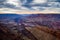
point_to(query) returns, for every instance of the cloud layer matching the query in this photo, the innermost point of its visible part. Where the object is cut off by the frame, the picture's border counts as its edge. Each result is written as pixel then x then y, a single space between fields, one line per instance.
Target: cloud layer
pixel 40 5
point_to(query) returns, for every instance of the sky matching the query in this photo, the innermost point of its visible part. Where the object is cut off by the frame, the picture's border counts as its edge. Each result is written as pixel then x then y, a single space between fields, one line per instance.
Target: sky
pixel 27 6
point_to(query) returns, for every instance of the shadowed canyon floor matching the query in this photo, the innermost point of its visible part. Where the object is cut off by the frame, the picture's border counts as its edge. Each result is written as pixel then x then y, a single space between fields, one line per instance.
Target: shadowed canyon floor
pixel 29 27
pixel 29 33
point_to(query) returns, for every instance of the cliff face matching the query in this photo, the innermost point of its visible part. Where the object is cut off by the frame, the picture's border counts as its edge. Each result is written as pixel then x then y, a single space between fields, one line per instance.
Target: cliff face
pixel 5 33
pixel 31 27
pixel 29 33
pixel 13 33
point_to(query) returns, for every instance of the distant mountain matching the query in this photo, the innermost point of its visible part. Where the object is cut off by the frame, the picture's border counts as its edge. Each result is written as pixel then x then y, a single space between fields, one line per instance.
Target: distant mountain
pixel 2 16
pixel 50 20
pixel 14 17
pixel 17 16
pixel 10 17
pixel 45 15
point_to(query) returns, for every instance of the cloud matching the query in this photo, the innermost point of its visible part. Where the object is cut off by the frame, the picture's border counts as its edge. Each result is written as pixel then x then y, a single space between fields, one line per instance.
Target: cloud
pixel 14 2
pixel 39 1
pixel 54 4
pixel 30 5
